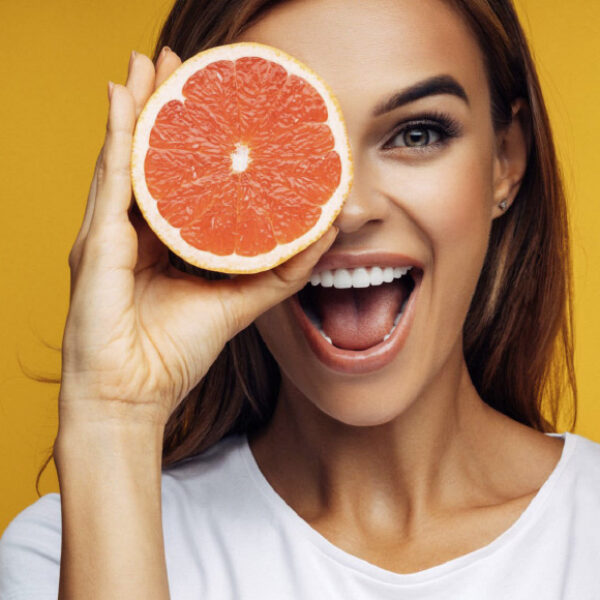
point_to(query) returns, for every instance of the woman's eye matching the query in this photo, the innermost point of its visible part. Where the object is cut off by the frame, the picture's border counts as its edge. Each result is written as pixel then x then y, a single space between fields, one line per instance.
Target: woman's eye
pixel 416 137
pixel 428 132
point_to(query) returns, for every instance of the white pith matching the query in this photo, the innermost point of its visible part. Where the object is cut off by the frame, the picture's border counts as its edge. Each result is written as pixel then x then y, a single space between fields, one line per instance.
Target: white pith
pixel 240 158
pixel 171 89
pixel 361 277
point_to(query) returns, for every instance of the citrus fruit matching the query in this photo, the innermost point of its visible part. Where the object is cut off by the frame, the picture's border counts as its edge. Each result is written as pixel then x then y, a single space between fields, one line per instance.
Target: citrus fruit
pixel 241 158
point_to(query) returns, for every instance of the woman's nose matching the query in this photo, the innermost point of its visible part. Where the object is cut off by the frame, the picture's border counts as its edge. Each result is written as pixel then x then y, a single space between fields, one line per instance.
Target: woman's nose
pixel 363 205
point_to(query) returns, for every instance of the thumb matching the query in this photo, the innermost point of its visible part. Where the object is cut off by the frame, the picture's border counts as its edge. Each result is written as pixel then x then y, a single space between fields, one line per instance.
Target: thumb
pixel 251 295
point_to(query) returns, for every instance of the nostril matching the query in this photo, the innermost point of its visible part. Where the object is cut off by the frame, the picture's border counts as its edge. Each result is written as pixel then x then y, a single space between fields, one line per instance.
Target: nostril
pixel 353 221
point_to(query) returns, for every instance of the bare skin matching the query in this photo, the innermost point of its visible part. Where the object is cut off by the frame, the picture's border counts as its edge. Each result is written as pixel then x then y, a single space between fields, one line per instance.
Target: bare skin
pixel 406 467
pixel 386 465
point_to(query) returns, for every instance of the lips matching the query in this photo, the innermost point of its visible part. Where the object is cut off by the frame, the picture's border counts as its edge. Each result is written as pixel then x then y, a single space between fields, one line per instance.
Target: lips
pixel 380 354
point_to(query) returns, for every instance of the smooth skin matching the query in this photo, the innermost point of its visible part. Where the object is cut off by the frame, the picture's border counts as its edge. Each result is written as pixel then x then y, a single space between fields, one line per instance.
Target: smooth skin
pixel 405 467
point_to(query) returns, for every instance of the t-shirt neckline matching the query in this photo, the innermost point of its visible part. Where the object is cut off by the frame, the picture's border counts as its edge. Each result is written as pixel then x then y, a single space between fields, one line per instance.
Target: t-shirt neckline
pixel 297 523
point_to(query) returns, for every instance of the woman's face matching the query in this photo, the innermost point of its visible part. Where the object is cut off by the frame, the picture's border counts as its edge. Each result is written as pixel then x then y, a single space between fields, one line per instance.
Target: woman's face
pixel 425 186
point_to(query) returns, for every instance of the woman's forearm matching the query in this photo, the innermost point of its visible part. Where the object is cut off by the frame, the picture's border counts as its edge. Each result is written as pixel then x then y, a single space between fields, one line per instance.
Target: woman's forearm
pixel 112 538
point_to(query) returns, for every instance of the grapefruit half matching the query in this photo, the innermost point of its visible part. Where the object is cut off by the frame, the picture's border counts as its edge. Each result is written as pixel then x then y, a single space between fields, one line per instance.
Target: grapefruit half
pixel 241 158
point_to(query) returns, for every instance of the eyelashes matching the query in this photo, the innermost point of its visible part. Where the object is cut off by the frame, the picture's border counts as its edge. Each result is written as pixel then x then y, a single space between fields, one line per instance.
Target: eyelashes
pixel 429 131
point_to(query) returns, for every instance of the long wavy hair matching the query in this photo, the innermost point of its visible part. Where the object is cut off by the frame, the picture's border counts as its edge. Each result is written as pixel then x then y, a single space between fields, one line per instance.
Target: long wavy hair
pixel 518 333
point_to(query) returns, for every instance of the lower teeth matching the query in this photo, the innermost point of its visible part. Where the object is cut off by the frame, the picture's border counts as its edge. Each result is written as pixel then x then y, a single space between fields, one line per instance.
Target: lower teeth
pixel 325 336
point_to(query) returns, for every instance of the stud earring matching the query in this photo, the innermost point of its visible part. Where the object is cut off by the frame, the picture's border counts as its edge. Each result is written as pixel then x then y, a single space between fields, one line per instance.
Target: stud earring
pixel 502 205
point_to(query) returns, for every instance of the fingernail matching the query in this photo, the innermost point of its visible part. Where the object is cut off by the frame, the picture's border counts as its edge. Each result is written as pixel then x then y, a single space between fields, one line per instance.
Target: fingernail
pixel 111 87
pixel 165 51
pixel 132 58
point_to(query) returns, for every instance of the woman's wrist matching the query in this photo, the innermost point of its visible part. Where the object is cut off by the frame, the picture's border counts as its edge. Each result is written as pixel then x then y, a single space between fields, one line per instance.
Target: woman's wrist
pixel 109 440
pixel 85 409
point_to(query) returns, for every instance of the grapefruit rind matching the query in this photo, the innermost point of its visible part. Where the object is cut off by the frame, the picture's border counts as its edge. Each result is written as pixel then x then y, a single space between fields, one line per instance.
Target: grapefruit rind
pixel 167 233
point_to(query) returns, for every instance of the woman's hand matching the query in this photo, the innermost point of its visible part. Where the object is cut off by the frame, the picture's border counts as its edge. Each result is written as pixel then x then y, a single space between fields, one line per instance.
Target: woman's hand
pixel 139 333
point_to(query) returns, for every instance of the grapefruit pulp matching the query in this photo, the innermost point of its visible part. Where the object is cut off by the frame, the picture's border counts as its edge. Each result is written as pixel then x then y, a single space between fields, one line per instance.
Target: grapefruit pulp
pixel 241 158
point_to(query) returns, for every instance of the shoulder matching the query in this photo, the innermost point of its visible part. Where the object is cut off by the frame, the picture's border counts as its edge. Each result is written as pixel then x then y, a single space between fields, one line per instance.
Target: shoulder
pixel 208 486
pixel 576 478
pixel 31 544
pixel 584 461
pixel 571 510
pixel 208 463
pixel 214 469
pixel 190 491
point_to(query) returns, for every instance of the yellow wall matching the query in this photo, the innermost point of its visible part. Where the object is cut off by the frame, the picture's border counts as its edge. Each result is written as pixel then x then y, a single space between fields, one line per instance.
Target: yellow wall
pixel 57 58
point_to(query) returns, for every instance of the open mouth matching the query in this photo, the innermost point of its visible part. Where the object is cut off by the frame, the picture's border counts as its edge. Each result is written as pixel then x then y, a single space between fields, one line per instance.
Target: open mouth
pixel 357 309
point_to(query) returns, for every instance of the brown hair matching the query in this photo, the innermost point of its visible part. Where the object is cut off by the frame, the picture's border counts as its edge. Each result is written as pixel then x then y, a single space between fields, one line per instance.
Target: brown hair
pixel 518 333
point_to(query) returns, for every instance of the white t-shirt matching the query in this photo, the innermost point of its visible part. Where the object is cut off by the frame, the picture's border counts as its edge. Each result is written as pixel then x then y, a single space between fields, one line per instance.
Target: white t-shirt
pixel 229 535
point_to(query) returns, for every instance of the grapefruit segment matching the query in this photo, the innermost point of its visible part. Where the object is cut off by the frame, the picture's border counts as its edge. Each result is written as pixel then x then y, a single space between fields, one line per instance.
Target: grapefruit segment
pixel 188 128
pixel 293 220
pixel 315 174
pixel 259 83
pixel 191 202
pixel 169 172
pixel 254 229
pixel 214 88
pixel 304 139
pixel 241 158
pixel 298 101
pixel 213 227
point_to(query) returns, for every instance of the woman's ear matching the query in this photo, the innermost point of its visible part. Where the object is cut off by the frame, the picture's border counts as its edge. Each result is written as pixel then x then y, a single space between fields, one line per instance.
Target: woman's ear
pixel 512 151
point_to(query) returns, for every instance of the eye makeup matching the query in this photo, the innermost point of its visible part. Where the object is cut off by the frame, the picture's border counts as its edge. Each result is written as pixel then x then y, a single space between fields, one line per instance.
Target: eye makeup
pixel 444 127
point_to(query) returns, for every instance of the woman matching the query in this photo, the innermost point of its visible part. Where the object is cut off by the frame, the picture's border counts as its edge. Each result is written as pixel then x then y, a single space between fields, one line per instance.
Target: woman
pixel 299 468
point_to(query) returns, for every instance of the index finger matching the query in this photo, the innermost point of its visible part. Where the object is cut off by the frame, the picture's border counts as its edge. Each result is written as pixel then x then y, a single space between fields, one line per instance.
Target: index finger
pixel 140 82
pixel 167 62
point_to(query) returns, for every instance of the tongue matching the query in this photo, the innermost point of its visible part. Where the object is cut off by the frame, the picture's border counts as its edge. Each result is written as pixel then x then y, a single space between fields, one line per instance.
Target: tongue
pixel 356 319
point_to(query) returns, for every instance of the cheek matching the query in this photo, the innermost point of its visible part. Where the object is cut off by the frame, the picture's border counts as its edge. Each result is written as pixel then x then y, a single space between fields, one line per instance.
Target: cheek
pixel 456 202
pixel 275 329
pixel 449 199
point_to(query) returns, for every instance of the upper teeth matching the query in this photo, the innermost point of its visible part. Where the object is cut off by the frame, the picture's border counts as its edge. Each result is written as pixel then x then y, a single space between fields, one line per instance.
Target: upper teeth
pixel 361 277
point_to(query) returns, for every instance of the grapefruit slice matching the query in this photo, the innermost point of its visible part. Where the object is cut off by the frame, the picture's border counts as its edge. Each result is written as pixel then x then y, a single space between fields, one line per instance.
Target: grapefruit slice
pixel 241 158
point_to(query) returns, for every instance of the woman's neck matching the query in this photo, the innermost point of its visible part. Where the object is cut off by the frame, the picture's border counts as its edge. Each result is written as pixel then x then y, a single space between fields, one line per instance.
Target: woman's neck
pixel 442 452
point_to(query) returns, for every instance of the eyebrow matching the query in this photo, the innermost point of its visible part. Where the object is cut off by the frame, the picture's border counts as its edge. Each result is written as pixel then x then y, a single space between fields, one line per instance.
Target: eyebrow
pixel 440 84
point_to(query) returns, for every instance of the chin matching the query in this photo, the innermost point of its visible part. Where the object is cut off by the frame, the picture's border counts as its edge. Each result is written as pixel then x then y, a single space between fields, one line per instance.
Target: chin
pixel 361 410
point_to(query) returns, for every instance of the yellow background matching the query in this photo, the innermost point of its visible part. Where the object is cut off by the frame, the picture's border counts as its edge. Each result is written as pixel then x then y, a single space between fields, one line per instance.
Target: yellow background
pixel 56 60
